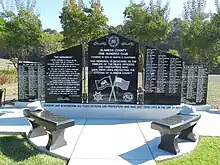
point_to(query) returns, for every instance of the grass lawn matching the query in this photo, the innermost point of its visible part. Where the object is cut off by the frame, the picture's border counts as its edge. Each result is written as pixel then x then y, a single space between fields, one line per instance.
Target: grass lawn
pixel 15 150
pixel 207 152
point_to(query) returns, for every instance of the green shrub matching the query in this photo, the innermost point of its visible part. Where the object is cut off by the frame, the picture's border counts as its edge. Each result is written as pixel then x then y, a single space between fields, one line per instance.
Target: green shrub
pixel 174 52
pixel 8 71
pixel 8 76
pixel 3 79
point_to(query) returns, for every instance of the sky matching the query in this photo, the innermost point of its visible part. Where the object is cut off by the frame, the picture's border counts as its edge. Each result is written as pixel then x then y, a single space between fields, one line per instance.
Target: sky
pixel 49 10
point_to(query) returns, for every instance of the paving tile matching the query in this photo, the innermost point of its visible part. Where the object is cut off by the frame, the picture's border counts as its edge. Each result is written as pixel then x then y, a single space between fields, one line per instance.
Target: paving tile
pixel 11 114
pixel 112 139
pixel 14 129
pixel 13 121
pixel 208 125
pixel 109 162
pixel 13 124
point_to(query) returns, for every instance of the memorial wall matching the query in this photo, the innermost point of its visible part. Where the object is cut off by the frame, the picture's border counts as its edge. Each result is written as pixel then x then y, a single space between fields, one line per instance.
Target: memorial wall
pixel 63 72
pixel 113 70
pixel 162 77
pixel 195 84
pixel 113 76
pixel 30 81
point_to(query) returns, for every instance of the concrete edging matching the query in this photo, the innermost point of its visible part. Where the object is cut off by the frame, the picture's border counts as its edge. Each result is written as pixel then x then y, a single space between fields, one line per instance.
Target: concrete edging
pixel 45 151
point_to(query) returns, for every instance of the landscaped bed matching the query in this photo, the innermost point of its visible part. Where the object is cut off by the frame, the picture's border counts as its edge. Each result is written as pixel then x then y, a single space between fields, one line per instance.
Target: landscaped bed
pixel 15 150
pixel 207 152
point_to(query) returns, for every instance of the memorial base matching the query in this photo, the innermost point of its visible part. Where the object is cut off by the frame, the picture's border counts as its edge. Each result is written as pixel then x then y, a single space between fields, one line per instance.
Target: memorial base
pixel 109 111
pixel 202 107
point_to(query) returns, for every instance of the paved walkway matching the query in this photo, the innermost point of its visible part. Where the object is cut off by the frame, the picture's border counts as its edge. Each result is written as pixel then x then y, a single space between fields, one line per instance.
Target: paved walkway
pixel 118 142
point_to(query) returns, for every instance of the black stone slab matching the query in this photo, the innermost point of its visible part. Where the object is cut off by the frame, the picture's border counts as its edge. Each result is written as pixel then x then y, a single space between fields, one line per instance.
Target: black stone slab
pixel 177 121
pixel 173 127
pixel 1 113
pixel 49 120
pixel 31 81
pixel 195 85
pixel 162 77
pixel 64 76
pixel 113 70
pixel 45 122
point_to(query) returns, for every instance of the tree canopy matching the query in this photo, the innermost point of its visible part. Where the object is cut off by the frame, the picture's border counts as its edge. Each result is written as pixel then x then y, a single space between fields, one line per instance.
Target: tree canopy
pixel 81 23
pixel 195 37
pixel 200 33
pixel 2 27
pixel 21 32
pixel 51 42
pixel 2 33
pixel 147 23
pixel 22 29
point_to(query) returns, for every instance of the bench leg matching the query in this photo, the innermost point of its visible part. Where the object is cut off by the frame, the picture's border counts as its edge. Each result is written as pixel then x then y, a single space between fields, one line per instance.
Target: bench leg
pixel 188 134
pixel 169 143
pixel 36 130
pixel 56 140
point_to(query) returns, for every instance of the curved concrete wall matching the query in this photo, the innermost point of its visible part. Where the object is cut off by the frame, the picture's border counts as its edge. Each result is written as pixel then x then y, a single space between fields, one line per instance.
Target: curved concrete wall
pixel 109 111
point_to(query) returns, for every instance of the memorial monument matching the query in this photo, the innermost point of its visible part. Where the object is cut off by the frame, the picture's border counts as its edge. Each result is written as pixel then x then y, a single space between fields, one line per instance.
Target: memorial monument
pixel 113 70
pixel 112 81
pixel 195 85
pixel 31 81
pixel 63 81
pixel 162 77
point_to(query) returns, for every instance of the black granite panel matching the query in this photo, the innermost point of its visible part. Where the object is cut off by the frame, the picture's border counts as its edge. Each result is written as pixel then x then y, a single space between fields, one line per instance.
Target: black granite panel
pixel 113 70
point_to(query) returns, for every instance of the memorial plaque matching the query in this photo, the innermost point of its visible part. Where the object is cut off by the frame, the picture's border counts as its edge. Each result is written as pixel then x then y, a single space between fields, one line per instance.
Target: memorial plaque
pixel 113 70
pixel 195 84
pixel 162 77
pixel 30 81
pixel 64 76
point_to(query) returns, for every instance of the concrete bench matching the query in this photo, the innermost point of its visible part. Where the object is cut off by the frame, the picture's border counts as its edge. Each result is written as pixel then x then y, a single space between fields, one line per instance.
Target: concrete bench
pixel 173 127
pixel 44 122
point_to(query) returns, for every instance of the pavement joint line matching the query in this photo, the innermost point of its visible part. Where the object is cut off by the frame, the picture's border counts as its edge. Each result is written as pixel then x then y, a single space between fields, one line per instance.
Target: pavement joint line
pixel 104 158
pixel 141 131
pixel 77 140
pixel 146 141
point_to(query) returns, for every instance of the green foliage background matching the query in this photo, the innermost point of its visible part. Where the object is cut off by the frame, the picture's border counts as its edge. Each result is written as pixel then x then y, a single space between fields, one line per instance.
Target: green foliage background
pixel 195 36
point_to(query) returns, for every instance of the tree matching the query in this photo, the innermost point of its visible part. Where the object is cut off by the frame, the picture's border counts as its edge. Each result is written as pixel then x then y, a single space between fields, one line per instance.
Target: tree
pixel 173 40
pixel 51 42
pixel 2 27
pixel 116 29
pixel 147 23
pixel 97 21
pixel 2 33
pixel 174 52
pixel 174 37
pixel 23 30
pixel 215 22
pixel 194 8
pixel 200 33
pixel 81 23
pixel 50 31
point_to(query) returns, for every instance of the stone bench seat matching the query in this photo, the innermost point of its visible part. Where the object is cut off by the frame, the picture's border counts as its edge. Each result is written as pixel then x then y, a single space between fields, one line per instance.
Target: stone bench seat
pixel 174 127
pixel 44 122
